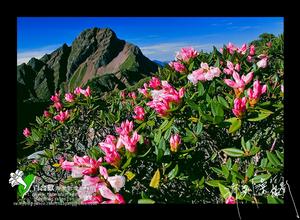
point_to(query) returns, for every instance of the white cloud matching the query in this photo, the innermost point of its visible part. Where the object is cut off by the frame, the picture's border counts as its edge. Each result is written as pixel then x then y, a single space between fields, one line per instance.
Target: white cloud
pixel 26 55
pixel 167 51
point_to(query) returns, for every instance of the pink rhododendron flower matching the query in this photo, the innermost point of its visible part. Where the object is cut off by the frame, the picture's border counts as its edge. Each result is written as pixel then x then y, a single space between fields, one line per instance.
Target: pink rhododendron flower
pixel 186 54
pixel 129 142
pixel 231 48
pixel 139 113
pixel 239 107
pixel 106 192
pixel 69 97
pixel 243 49
pixel 237 67
pixel 103 172
pixel 77 90
pixel 175 141
pixel 62 116
pixel 88 189
pixel 132 95
pixel 205 73
pixel 282 88
pixel 117 182
pixel 255 94
pixel 47 114
pixel 269 44
pixel 93 201
pixel 144 90
pixel 250 59
pixel 109 147
pixel 26 132
pixel 230 68
pixel 263 63
pixel 125 128
pixel 58 106
pixel 179 67
pixel 252 50
pixel 86 92
pixel 154 83
pixel 161 99
pixel 81 166
pixel 55 98
pixel 240 82
pixel 230 200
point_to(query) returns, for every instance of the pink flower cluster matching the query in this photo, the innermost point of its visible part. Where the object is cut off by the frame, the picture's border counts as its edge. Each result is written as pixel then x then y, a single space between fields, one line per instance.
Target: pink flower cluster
pixel 26 132
pixel 263 63
pixel 178 66
pixel 254 95
pixel 139 113
pixel 111 145
pixel 86 92
pixel 95 183
pixel 231 68
pixel 186 54
pixel 230 200
pixel 231 48
pixel 162 95
pixel 205 73
pixel 240 82
pixel 57 104
pixel 62 116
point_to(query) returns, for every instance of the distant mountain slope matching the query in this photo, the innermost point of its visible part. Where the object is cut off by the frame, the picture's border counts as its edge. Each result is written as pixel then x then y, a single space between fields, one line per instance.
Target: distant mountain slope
pixel 94 52
pixel 161 63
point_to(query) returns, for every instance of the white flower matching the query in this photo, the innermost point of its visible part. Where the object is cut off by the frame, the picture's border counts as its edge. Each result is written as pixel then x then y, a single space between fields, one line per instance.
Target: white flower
pixel 16 178
pixel 117 182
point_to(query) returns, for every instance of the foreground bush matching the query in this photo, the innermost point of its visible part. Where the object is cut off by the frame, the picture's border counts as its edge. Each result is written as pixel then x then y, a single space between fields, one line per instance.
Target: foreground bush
pixel 208 128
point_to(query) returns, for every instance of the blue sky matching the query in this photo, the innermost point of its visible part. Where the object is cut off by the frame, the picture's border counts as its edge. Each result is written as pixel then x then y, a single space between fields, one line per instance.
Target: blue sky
pixel 158 37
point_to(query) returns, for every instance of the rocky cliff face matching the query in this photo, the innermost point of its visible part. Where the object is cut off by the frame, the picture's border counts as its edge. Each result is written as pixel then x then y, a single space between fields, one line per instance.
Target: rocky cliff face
pixel 94 53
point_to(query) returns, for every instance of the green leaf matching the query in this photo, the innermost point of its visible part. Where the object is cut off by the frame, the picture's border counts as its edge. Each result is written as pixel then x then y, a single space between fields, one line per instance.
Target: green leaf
pixel 280 155
pixel 216 109
pixel 172 174
pixel 38 120
pixel 263 162
pixel 199 128
pixel 214 183
pixel 243 144
pixel 273 159
pixel 157 136
pixel 254 150
pixel 167 134
pixel 228 163
pixel 191 66
pixel 151 123
pixel 223 102
pixel 217 170
pixel 235 124
pixel 146 201
pixel 260 178
pixel 155 180
pixel 164 124
pixel 263 113
pixel 274 200
pixel 225 171
pixel 169 124
pixel 201 90
pixel 248 145
pixel 225 192
pixel 233 152
pixel 237 174
pixel 250 170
